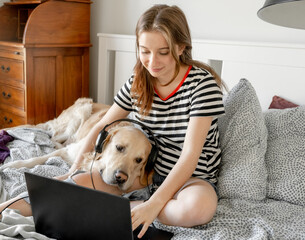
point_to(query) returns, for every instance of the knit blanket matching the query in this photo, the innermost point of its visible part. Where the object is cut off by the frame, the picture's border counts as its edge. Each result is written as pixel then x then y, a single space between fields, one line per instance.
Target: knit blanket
pixel 28 143
pixel 234 220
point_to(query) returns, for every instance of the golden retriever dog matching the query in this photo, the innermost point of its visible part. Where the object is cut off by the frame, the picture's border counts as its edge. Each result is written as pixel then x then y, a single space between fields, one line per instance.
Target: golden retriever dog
pixel 73 124
pixel 68 131
pixel 125 150
pixel 124 157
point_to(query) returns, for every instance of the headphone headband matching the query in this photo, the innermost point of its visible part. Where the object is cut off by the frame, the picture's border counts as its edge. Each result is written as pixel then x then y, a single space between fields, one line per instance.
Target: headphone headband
pixel 135 122
pixel 154 150
pixel 138 123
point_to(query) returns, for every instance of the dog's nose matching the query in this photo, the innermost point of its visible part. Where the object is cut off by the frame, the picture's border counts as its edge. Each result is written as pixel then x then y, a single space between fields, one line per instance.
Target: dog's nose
pixel 120 177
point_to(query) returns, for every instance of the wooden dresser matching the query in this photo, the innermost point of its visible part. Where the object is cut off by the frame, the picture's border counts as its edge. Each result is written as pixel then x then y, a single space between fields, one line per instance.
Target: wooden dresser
pixel 44 58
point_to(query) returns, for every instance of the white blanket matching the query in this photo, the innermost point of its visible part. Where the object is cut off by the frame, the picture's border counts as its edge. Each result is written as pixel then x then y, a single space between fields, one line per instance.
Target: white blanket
pixel 234 220
pixel 28 143
pixel 16 226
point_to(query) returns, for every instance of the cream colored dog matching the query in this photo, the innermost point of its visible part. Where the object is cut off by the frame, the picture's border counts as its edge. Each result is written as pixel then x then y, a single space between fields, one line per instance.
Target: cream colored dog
pixel 68 132
pixel 125 150
pixel 124 157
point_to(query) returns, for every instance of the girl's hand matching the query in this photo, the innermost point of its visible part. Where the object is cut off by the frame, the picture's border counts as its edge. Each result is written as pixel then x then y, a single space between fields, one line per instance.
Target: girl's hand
pixel 145 214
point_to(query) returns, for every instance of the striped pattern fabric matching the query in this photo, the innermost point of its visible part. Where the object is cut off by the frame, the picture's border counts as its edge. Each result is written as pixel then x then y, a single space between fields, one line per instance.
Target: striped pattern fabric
pixel 198 95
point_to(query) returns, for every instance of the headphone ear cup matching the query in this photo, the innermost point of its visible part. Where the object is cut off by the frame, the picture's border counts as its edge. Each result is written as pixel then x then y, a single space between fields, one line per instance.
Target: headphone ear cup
pixel 100 141
pixel 151 159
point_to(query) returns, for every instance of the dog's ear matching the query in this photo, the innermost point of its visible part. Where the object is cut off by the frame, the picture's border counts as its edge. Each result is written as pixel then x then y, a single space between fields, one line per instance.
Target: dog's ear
pixel 106 140
pixel 145 176
pixel 88 157
pixel 111 132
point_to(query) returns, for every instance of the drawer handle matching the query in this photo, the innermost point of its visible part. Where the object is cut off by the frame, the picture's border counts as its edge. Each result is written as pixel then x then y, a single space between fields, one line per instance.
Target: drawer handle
pixel 17 53
pixel 8 120
pixel 6 95
pixel 5 69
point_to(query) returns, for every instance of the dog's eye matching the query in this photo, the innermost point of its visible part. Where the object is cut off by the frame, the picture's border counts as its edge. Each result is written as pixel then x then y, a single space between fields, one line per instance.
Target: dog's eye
pixel 120 148
pixel 139 160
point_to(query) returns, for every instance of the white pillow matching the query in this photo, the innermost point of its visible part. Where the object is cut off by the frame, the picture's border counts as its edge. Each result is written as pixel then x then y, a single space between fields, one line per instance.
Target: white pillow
pixel 243 138
pixel 285 157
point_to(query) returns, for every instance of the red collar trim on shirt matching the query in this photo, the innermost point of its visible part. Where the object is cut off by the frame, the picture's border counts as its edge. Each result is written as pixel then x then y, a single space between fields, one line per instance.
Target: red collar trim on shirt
pixel 177 88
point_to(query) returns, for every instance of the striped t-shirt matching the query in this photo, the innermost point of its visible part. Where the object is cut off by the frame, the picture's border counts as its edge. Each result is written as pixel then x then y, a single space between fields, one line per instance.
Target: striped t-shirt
pixel 197 95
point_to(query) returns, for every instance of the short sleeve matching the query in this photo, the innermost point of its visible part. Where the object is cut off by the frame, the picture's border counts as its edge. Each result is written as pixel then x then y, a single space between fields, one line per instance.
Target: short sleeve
pixel 206 99
pixel 123 97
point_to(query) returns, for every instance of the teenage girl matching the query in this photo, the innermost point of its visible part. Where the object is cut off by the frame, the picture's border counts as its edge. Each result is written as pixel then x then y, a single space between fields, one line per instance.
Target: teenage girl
pixel 179 99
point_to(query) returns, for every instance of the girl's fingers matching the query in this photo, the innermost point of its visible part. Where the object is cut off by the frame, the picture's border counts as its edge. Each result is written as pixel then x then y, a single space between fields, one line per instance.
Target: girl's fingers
pixel 135 223
pixel 143 230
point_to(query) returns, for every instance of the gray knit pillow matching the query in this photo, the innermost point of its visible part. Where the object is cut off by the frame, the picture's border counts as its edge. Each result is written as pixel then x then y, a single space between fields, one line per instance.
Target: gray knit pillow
pixel 243 138
pixel 285 157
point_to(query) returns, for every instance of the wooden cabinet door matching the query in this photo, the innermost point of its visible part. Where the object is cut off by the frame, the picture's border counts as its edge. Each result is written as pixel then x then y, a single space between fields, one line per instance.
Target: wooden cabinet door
pixel 55 79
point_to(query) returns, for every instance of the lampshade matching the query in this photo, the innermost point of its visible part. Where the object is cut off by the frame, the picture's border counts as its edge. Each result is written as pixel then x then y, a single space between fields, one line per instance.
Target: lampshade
pixel 287 13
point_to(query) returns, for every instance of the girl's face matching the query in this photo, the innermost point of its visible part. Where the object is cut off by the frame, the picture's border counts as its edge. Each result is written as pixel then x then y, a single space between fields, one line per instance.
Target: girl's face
pixel 156 57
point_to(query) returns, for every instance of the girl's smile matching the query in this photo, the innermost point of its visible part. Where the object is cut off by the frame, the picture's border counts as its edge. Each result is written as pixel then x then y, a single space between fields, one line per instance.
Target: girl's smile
pixel 156 57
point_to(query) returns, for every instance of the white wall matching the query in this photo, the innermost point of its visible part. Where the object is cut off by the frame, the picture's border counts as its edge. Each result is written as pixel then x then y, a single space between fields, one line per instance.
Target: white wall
pixel 212 19
pixel 208 19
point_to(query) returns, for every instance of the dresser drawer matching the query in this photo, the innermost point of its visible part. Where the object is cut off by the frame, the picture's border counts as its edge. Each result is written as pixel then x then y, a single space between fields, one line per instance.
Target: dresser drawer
pixel 11 71
pixel 8 119
pixel 13 52
pixel 11 96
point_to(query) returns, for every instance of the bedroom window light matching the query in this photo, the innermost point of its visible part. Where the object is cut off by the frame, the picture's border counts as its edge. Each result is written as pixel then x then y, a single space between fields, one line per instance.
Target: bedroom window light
pixel 286 13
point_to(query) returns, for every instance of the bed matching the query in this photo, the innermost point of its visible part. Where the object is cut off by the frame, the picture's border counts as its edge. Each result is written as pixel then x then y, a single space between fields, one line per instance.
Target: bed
pixel 260 184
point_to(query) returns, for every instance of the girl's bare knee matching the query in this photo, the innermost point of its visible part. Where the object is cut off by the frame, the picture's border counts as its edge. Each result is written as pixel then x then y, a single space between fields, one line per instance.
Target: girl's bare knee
pixel 205 213
pixel 204 210
pixel 194 206
pixel 198 213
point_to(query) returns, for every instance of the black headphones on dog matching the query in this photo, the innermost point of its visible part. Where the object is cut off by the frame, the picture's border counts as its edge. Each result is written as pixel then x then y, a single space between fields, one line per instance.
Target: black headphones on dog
pixel 154 150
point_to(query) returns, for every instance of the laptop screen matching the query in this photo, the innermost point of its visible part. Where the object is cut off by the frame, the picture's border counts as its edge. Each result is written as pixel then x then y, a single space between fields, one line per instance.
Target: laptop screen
pixel 66 211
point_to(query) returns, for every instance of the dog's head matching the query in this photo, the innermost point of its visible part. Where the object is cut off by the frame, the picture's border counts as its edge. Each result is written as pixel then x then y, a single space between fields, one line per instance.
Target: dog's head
pixel 124 157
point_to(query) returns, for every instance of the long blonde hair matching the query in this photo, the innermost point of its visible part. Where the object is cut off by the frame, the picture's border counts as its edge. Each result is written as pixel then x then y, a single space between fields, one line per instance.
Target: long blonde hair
pixel 171 22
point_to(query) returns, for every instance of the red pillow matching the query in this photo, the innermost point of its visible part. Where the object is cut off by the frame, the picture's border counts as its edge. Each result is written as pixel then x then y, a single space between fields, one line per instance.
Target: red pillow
pixel 281 103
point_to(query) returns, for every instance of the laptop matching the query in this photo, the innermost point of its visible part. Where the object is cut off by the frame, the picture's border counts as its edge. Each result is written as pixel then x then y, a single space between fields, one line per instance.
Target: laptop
pixel 66 211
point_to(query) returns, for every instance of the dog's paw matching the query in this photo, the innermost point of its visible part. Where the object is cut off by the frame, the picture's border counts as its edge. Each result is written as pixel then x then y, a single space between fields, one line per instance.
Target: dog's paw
pixel 15 164
pixel 18 164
